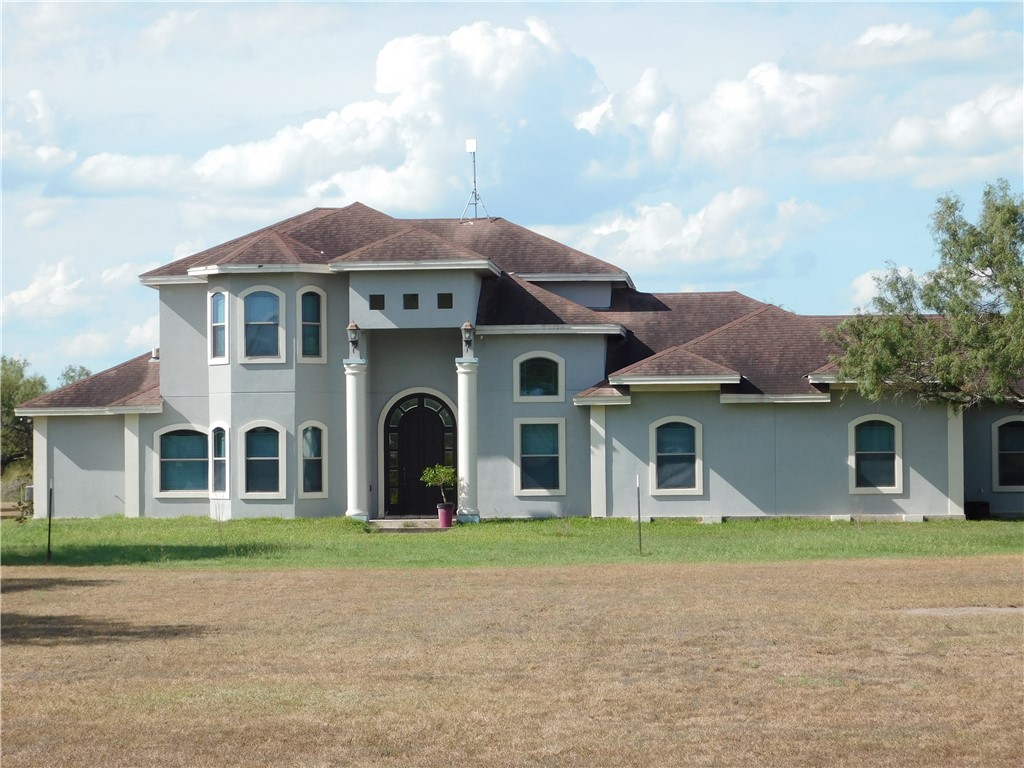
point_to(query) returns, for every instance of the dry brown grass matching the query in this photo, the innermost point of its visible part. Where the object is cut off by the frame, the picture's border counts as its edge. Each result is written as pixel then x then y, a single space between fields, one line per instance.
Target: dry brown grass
pixel 794 664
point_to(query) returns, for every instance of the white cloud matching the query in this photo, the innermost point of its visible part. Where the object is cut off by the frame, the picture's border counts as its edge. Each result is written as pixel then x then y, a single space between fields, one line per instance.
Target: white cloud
pixel 160 35
pixel 112 172
pixel 864 287
pixel 29 136
pixel 87 345
pixel 125 274
pixel 53 291
pixel 42 212
pixel 770 103
pixel 145 335
pixel 737 231
pixel 889 35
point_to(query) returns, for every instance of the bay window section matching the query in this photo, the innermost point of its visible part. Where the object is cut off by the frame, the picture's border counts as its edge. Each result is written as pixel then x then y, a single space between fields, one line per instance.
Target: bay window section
pixel 218 327
pixel 311 325
pixel 182 460
pixel 313 450
pixel 263 463
pixel 262 330
pixel 218 461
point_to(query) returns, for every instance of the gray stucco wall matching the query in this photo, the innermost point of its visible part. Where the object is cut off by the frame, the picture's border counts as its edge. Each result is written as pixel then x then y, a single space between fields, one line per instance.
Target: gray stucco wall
pixel 775 459
pixel 978 461
pixel 86 459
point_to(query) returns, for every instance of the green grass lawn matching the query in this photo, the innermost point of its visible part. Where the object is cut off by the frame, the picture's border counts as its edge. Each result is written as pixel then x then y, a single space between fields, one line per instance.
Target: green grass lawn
pixel 275 543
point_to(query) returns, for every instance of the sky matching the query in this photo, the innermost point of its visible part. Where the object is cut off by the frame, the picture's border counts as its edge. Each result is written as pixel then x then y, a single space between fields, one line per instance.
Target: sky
pixel 785 150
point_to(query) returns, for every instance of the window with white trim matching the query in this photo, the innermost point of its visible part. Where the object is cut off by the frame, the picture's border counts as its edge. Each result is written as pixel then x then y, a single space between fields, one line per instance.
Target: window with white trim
pixel 313 453
pixel 218 461
pixel 540 457
pixel 218 327
pixel 263 467
pixel 676 451
pixel 312 328
pixel 538 377
pixel 182 469
pixel 875 455
pixel 262 329
pixel 1008 454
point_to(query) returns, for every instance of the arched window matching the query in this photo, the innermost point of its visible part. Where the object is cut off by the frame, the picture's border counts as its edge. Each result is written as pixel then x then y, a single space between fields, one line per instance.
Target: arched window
pixel 218 327
pixel 263 335
pixel 676 451
pixel 182 461
pixel 312 327
pixel 218 460
pixel 313 453
pixel 876 455
pixel 263 467
pixel 538 377
pixel 1008 454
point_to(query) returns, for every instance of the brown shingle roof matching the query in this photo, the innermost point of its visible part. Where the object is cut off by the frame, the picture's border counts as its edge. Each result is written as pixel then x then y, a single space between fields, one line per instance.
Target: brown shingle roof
pixel 130 385
pixel 357 231
pixel 509 300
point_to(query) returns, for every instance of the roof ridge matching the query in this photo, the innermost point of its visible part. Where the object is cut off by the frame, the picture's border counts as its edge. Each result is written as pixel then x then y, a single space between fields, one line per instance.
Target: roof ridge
pixel 731 323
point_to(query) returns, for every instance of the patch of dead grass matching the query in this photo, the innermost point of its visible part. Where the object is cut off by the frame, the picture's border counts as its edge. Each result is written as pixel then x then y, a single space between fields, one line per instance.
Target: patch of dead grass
pixel 791 664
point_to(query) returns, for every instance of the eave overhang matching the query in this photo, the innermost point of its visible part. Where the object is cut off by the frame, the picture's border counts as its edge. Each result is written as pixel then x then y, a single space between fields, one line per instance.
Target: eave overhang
pixel 609 329
pixel 476 265
pixel 113 410
pixel 574 277
pixel 671 381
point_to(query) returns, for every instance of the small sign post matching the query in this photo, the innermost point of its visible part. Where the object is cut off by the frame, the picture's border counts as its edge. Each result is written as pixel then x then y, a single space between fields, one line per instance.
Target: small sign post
pixel 49 520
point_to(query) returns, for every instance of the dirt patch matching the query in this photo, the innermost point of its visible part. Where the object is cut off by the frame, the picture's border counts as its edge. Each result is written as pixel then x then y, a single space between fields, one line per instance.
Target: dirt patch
pixel 805 664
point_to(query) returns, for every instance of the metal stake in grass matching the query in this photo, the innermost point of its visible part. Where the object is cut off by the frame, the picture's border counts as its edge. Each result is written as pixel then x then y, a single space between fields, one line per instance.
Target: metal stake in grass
pixel 49 519
pixel 639 530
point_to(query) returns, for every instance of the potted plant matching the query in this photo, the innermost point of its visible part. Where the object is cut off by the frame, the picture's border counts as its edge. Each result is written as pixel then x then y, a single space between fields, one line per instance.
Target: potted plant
pixel 441 476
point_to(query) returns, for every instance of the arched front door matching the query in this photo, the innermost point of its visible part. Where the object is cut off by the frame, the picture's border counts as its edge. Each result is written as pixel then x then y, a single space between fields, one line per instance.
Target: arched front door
pixel 419 432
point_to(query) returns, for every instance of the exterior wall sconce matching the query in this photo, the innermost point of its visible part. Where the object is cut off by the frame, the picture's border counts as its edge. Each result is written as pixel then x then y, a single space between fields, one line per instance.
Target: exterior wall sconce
pixel 353 339
pixel 467 339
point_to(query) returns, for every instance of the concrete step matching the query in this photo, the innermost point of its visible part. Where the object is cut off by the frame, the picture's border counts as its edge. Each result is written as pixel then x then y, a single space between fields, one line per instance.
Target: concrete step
pixel 408 525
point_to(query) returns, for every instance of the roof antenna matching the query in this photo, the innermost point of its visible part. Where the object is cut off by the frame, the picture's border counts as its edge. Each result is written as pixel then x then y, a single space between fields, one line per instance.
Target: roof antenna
pixel 474 197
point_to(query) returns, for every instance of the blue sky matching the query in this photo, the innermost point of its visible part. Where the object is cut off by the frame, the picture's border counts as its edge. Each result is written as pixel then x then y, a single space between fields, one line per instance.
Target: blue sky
pixel 785 150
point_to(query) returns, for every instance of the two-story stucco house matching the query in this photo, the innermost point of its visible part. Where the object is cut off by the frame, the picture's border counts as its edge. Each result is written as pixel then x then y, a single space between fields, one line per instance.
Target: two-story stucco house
pixel 316 366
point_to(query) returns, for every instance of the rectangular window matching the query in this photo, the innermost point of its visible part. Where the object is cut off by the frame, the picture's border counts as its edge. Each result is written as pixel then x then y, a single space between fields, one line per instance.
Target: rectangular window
pixel 218 327
pixel 540 457
pixel 410 301
pixel 445 301
pixel 676 456
pixel 377 301
pixel 876 455
pixel 1010 462
pixel 261 324
pixel 311 324
pixel 262 460
pixel 312 460
pixel 183 463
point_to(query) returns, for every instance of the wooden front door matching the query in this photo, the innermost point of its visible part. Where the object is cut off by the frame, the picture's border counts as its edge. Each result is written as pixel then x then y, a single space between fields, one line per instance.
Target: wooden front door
pixel 419 432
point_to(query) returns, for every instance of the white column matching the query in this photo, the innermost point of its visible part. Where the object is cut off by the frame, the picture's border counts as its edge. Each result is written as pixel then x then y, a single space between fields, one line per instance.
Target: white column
pixel 598 465
pixel 356 440
pixel 40 467
pixel 131 465
pixel 466 370
pixel 955 462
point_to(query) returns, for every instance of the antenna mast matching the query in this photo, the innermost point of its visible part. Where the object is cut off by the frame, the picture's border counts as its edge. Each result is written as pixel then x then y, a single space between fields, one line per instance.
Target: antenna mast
pixel 474 196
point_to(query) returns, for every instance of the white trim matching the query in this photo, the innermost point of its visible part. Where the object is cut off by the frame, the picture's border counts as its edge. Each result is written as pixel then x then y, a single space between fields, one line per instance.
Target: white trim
pixel 282 305
pixel 598 462
pixel 247 269
pixel 36 413
pixel 223 360
pixel 282 460
pixel 996 487
pixel 558 397
pixel 851 459
pixel 517 489
pixel 158 492
pixel 955 461
pixel 382 502
pixel 407 265
pixel 322 357
pixel 132 475
pixel 662 380
pixel 602 329
pixel 572 277
pixel 828 378
pixel 153 282
pixel 40 467
pixel 226 493
pixel 735 399
pixel 602 400
pixel 300 472
pixel 698 454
